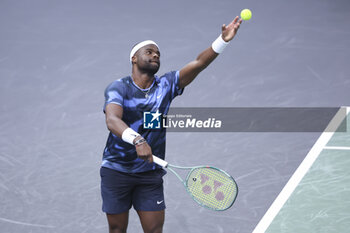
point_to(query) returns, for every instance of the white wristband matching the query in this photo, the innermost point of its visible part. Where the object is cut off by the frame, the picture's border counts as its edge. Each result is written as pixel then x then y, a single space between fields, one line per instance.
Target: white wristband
pixel 219 45
pixel 129 135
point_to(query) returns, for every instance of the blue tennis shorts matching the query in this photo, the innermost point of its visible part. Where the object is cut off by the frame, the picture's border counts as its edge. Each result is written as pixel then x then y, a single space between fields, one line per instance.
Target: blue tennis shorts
pixel 120 191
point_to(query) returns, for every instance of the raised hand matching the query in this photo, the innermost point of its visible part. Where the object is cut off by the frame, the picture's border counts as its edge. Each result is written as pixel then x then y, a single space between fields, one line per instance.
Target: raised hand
pixel 229 31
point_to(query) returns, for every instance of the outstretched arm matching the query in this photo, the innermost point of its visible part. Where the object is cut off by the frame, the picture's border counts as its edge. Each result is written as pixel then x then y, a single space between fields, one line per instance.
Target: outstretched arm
pixel 189 72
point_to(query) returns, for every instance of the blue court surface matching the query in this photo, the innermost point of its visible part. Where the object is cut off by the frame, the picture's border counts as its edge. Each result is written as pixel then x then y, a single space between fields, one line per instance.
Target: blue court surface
pixel 57 57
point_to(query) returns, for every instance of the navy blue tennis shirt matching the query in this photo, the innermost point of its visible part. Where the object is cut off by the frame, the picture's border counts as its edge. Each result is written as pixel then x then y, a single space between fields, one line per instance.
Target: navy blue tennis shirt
pixel 120 155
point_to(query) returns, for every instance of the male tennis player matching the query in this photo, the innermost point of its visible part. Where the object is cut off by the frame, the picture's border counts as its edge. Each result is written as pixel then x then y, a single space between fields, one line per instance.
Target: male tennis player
pixel 128 176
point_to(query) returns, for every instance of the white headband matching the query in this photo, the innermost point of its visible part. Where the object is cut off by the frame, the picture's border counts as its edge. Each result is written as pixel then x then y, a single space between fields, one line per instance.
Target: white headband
pixel 140 45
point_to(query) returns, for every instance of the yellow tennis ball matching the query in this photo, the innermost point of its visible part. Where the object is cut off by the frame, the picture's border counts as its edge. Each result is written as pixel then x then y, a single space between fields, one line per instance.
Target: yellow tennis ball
pixel 246 14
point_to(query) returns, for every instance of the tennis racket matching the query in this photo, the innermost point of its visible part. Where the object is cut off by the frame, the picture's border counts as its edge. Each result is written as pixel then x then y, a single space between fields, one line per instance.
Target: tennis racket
pixel 210 187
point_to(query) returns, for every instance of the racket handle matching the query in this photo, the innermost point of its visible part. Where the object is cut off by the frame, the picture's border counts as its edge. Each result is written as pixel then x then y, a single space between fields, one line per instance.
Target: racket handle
pixel 159 161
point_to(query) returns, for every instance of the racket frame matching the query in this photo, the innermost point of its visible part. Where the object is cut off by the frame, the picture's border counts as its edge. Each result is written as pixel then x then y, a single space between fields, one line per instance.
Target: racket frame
pixel 165 164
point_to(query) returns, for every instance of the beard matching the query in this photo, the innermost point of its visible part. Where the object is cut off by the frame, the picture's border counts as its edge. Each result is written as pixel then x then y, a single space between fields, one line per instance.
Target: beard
pixel 149 67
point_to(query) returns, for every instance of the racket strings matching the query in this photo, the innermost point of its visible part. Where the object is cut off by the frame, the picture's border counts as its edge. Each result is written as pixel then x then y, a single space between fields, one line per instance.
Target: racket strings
pixel 211 187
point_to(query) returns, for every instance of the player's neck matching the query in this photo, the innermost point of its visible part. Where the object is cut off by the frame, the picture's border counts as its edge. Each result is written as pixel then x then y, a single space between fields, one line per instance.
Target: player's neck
pixel 142 80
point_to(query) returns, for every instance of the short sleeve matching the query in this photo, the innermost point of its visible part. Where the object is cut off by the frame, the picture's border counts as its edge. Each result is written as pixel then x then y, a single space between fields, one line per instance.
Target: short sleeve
pixel 173 79
pixel 178 90
pixel 115 93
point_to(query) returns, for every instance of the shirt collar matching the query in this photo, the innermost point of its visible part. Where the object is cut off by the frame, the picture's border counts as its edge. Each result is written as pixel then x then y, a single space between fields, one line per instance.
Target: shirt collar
pixel 155 81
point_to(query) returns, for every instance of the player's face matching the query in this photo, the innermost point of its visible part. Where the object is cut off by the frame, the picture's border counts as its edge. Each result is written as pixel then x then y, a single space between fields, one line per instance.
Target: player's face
pixel 148 59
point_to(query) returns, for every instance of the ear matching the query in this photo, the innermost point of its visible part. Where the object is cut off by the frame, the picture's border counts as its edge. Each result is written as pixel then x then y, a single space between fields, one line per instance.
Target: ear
pixel 133 59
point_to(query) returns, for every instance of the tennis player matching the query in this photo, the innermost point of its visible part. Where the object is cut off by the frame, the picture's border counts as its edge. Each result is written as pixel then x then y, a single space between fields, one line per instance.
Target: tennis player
pixel 128 176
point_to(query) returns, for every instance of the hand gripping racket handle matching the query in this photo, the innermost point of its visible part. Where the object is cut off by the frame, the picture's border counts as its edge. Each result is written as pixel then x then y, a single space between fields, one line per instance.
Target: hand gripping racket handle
pixel 159 161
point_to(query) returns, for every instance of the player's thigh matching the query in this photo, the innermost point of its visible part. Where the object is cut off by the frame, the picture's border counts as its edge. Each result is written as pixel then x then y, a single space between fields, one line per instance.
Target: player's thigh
pixel 116 191
pixel 118 223
pixel 152 221
pixel 148 194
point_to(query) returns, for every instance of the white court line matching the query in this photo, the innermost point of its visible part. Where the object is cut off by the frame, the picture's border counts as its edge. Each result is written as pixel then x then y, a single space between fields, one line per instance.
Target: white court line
pixel 300 172
pixel 337 147
pixel 25 224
